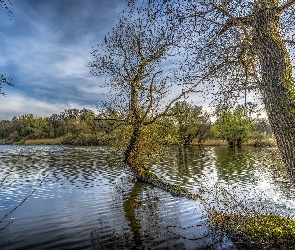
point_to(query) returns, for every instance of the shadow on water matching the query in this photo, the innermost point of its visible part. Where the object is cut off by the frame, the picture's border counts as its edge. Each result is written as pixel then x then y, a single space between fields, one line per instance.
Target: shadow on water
pixel 130 204
pixel 140 209
pixel 156 220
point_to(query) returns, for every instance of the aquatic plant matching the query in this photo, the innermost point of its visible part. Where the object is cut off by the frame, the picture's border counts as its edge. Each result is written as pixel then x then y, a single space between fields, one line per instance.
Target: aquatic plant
pixel 250 226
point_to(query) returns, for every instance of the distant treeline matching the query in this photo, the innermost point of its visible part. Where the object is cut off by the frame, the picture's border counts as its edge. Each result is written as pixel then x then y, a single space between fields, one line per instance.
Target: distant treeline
pixel 84 127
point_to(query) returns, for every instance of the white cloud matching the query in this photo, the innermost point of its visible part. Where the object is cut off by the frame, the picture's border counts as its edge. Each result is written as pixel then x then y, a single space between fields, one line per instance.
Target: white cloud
pixel 16 105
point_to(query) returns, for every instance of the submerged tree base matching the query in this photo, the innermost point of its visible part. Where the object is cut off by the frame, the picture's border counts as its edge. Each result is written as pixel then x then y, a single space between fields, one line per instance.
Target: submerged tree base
pixel 146 176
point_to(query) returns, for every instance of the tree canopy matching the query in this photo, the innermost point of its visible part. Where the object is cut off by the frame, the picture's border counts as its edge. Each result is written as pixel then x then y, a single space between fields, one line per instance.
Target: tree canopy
pixel 235 127
pixel 241 46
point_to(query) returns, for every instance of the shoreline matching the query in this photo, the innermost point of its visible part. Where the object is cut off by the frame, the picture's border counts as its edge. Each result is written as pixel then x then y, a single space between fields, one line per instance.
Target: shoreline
pixel 269 142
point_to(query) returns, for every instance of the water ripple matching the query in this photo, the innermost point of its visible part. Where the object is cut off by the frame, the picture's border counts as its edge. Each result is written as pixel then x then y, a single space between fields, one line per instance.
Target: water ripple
pixel 88 201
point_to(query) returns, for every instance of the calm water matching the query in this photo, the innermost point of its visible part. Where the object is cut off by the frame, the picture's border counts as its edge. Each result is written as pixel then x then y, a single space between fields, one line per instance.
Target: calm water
pixel 89 201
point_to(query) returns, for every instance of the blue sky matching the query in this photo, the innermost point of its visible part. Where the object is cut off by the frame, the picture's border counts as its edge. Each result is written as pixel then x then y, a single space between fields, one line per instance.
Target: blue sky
pixel 45 48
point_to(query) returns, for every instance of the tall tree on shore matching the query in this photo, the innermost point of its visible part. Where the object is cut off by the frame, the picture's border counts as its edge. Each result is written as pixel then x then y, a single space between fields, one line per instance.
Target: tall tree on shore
pixel 246 41
pixel 234 126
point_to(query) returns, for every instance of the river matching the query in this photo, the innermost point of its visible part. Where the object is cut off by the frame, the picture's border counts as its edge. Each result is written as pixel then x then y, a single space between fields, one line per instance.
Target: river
pixel 83 198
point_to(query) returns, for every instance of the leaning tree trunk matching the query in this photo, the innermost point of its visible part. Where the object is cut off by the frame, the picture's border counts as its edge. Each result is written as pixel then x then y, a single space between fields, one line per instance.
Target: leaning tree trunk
pixel 132 159
pixel 131 154
pixel 276 74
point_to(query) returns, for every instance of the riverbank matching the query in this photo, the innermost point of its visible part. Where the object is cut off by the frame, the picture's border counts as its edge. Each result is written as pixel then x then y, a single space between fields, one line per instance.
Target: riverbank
pixel 42 142
pixel 269 142
pixel 261 231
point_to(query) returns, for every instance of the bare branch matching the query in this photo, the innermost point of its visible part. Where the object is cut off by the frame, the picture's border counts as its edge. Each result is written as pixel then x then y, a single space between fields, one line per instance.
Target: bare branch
pixel 189 90
pixel 285 6
pixel 150 95
pixel 27 197
pixel 237 21
pixel 289 41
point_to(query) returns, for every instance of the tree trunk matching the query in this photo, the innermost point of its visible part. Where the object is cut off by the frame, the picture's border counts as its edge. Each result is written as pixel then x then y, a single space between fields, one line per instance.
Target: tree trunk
pixel 131 154
pixel 239 143
pixel 132 159
pixel 276 74
pixel 231 144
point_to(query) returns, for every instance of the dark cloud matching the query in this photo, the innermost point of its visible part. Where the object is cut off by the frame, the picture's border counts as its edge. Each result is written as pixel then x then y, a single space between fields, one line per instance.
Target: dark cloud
pixel 45 48
pixel 72 19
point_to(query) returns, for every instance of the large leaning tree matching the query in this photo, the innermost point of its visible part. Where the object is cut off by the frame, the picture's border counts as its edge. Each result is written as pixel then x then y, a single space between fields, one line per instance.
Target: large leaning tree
pixel 249 44
pixel 132 58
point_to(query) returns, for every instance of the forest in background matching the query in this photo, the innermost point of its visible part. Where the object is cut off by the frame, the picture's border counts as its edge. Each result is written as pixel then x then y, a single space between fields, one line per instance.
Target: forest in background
pixel 190 123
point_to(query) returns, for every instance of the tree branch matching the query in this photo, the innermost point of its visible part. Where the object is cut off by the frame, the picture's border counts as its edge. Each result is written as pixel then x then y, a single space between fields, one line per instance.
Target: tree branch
pixel 150 95
pixel 289 41
pixel 110 119
pixel 285 6
pixel 235 21
pixel 189 90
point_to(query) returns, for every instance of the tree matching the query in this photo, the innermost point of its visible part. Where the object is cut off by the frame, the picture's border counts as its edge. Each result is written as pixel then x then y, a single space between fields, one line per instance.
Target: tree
pixel 192 121
pixel 3 78
pixel 245 41
pixel 5 5
pixel 131 59
pixel 235 127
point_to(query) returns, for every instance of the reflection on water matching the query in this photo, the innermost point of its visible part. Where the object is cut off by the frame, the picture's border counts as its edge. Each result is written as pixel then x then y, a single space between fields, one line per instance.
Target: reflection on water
pixel 130 206
pixel 88 201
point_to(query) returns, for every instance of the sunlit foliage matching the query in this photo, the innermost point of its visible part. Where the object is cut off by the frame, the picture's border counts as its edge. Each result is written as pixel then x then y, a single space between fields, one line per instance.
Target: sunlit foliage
pixel 235 126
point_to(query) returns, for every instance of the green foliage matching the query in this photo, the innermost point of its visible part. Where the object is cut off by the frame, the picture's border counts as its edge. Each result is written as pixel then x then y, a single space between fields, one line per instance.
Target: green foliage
pixel 21 141
pixel 214 133
pixel 156 137
pixel 272 230
pixel 81 140
pixel 84 127
pixel 26 126
pixel 117 136
pixel 73 126
pixel 116 130
pixel 235 127
pixel 192 122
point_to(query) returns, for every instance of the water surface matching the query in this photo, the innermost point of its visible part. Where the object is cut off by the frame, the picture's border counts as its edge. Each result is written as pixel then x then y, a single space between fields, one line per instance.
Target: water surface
pixel 88 200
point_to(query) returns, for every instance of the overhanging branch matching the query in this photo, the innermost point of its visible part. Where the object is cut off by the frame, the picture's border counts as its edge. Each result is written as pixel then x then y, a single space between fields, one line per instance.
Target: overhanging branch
pixel 289 41
pixel 235 21
pixel 285 6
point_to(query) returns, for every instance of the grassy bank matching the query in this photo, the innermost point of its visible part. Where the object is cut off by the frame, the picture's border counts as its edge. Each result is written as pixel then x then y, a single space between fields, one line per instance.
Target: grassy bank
pixel 258 232
pixel 41 142
pixel 269 142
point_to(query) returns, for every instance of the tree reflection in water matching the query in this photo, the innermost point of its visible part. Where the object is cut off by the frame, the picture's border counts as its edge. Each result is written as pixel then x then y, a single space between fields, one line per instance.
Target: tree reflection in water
pixel 131 203
pixel 153 219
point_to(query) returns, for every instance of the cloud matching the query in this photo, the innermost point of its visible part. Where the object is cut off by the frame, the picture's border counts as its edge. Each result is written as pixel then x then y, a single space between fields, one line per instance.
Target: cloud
pixel 45 49
pixel 16 105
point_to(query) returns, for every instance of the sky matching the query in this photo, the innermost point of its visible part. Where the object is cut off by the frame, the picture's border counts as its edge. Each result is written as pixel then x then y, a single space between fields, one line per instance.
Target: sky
pixel 45 48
